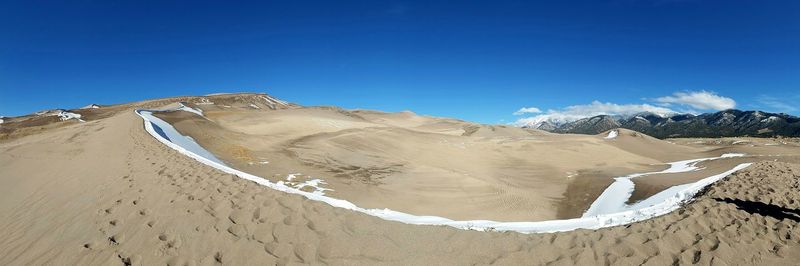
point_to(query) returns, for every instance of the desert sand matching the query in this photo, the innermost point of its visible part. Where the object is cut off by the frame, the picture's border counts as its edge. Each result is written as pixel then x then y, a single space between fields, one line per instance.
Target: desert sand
pixel 105 192
pixel 437 166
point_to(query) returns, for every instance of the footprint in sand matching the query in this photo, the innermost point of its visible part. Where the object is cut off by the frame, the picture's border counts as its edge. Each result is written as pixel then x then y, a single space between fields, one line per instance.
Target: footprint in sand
pixel 117 239
pixel 218 257
pixel 128 260
pixel 91 245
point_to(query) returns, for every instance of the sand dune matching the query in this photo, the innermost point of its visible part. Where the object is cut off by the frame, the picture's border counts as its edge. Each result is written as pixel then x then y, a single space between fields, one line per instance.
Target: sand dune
pixel 148 205
pixel 436 166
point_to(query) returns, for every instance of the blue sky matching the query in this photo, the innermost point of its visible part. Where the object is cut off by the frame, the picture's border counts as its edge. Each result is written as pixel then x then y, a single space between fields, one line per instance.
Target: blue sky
pixel 479 61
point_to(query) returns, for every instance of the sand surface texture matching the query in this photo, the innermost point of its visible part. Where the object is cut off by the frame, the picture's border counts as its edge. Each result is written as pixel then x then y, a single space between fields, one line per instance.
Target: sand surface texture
pixel 436 166
pixel 104 192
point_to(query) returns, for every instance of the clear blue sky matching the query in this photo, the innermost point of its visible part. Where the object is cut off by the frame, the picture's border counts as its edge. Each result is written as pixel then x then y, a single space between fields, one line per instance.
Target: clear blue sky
pixel 478 61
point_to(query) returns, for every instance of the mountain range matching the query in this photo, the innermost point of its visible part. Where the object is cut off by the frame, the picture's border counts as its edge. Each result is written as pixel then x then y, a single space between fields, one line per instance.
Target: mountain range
pixel 727 123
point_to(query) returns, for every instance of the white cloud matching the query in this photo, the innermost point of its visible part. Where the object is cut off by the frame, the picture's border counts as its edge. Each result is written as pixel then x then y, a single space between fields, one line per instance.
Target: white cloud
pixel 599 108
pixel 702 100
pixel 576 112
pixel 527 110
pixel 685 102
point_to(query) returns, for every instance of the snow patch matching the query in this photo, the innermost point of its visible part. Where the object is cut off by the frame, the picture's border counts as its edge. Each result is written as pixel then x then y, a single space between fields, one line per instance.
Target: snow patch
pixel 204 101
pixel 612 134
pixel 189 109
pixel 274 102
pixel 166 134
pixel 316 184
pixel 770 119
pixel 614 198
pixel 255 106
pixel 571 174
pixel 64 115
pixel 170 136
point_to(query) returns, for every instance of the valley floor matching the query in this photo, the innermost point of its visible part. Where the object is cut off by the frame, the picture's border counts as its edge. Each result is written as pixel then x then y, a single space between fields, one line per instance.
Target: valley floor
pixel 105 192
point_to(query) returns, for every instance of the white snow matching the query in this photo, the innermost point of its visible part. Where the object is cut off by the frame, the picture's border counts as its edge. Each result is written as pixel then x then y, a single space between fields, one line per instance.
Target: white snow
pixel 273 102
pixel 679 192
pixel 612 134
pixel 269 102
pixel 189 109
pixel 166 134
pixel 281 102
pixel 614 198
pixel 91 106
pixel 770 119
pixel 204 101
pixel 255 106
pixel 314 183
pixel 64 115
pixel 571 174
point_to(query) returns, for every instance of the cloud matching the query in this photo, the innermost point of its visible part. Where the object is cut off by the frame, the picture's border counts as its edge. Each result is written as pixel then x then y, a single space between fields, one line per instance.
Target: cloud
pixel 527 110
pixel 702 100
pixel 683 102
pixel 776 105
pixel 600 108
pixel 576 112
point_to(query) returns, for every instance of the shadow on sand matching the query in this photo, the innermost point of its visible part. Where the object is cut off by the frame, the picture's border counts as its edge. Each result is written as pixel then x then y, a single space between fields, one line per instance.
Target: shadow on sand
pixel 764 209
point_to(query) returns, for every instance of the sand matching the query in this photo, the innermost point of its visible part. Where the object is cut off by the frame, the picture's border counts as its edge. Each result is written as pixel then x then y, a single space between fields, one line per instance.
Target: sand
pixel 427 165
pixel 444 167
pixel 105 192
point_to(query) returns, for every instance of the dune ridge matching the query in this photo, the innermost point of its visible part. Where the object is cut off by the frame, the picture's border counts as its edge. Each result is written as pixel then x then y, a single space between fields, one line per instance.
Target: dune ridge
pixel 431 166
pixel 150 205
pixel 655 207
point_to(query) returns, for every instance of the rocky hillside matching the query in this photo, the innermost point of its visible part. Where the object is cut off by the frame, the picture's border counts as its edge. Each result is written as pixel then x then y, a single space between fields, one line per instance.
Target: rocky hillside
pixel 728 123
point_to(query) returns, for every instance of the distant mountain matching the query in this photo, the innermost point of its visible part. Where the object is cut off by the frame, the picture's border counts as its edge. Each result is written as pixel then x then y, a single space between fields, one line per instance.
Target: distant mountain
pixel 590 124
pixel 728 123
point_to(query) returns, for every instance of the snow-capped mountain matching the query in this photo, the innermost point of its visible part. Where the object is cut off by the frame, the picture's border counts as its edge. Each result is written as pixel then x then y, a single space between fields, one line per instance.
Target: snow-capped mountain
pixel 728 123
pixel 555 122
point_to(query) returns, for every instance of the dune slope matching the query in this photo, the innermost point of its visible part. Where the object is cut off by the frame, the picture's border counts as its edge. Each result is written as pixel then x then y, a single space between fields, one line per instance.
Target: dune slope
pixel 105 192
pixel 426 165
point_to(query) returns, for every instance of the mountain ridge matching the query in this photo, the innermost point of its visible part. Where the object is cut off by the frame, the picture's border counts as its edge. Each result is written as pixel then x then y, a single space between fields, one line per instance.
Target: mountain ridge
pixel 726 123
